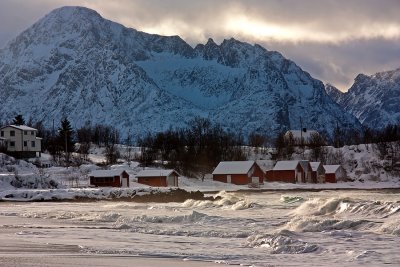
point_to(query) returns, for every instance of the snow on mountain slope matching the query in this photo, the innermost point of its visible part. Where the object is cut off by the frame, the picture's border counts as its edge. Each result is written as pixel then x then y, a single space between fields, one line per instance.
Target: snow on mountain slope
pixel 374 99
pixel 75 63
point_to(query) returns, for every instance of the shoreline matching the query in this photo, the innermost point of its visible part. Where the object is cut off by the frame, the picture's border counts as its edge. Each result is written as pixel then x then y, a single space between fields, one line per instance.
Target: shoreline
pixel 176 195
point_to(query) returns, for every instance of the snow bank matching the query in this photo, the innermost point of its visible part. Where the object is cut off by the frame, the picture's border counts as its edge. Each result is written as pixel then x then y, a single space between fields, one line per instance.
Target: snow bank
pixel 148 194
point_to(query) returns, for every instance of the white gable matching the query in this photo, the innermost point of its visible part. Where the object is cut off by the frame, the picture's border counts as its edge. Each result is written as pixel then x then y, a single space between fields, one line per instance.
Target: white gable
pixel 285 165
pixel 266 164
pixel 315 165
pixel 233 167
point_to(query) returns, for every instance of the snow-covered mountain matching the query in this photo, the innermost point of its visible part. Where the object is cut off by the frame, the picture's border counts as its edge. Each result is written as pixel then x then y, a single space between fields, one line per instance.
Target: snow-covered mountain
pixel 374 100
pixel 74 63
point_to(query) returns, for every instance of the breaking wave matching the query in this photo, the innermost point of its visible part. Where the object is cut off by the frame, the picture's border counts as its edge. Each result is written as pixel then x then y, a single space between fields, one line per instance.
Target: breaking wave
pixel 226 200
pixel 338 206
pixel 281 243
pixel 314 224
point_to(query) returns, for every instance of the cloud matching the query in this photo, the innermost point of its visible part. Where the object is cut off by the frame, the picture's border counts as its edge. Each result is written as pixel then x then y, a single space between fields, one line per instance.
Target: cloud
pixel 332 39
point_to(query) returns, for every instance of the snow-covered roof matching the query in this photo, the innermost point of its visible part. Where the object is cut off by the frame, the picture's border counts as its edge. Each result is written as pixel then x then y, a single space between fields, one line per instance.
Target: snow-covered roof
pixel 155 173
pixel 20 127
pixel 286 165
pixel 315 165
pixel 297 134
pixel 106 173
pixel 233 167
pixel 304 164
pixel 331 168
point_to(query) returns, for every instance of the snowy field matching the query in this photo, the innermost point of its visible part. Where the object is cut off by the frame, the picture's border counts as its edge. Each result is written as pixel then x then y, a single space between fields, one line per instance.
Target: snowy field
pixel 293 228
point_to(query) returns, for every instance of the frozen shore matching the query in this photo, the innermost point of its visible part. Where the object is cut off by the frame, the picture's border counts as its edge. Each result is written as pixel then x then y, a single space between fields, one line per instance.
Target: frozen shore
pixel 148 194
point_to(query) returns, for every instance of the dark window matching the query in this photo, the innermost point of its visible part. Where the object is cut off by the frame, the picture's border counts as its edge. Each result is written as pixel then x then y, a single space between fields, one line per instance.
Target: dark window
pixel 103 180
pixel 25 132
pixel 2 133
pixel 25 143
pixel 12 133
pixel 32 132
pixel 33 143
pixel 12 143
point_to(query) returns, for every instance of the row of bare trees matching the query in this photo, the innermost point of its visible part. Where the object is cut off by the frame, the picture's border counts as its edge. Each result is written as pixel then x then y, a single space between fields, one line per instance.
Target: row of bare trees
pixel 194 150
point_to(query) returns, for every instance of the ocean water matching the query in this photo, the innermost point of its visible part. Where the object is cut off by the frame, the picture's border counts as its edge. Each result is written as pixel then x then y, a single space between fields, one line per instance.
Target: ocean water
pixel 327 228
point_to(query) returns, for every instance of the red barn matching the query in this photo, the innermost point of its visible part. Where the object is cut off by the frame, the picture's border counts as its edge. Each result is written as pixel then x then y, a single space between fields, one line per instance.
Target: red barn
pixel 238 172
pixel 334 173
pixel 318 172
pixel 114 178
pixel 159 178
pixel 289 171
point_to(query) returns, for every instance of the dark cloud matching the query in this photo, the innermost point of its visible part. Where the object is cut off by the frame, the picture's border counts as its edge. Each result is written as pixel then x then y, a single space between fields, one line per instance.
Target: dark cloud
pixel 332 39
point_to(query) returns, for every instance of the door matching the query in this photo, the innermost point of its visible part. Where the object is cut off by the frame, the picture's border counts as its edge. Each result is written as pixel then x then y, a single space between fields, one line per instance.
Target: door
pixel 171 180
pixel 124 182
pixel 229 179
pixel 299 177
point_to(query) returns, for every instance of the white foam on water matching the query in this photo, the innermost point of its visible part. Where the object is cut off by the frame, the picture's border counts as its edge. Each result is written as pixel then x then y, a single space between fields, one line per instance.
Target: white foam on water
pixel 316 224
pixel 227 201
pixel 281 243
pixel 288 199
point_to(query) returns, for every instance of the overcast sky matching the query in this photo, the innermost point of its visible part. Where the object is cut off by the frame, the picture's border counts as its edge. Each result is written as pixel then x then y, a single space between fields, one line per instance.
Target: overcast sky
pixel 333 40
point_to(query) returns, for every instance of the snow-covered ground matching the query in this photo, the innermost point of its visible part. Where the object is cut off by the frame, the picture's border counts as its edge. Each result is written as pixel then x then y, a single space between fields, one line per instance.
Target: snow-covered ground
pixel 364 169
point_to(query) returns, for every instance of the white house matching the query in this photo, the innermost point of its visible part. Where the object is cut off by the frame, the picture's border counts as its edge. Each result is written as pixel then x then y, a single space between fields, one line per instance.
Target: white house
pixel 301 137
pixel 20 141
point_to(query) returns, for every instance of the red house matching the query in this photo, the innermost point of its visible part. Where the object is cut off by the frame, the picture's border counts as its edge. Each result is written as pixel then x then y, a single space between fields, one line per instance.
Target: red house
pixel 334 173
pixel 238 172
pixel 288 171
pixel 159 178
pixel 318 172
pixel 114 178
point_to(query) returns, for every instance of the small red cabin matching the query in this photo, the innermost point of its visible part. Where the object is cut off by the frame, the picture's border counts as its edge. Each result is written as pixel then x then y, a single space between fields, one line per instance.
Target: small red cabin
pixel 113 178
pixel 159 178
pixel 288 171
pixel 318 172
pixel 238 172
pixel 334 173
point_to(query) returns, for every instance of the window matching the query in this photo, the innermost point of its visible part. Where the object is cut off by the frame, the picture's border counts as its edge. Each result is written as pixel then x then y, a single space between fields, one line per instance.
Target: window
pixel 103 180
pixel 12 133
pixel 2 133
pixel 25 143
pixel 25 132
pixel 12 144
pixel 33 144
pixel 32 132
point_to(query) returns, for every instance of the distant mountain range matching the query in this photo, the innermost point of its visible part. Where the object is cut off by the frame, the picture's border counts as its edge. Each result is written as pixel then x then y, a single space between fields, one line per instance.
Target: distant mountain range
pixel 77 64
pixel 374 100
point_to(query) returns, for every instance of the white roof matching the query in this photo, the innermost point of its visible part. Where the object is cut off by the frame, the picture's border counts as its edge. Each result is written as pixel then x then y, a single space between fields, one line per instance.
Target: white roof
pixel 331 168
pixel 154 173
pixel 21 127
pixel 297 134
pixel 106 173
pixel 233 167
pixel 286 165
pixel 315 165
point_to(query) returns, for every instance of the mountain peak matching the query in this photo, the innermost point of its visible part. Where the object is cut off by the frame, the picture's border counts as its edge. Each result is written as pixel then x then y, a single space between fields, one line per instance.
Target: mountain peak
pixel 77 63
pixel 374 99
